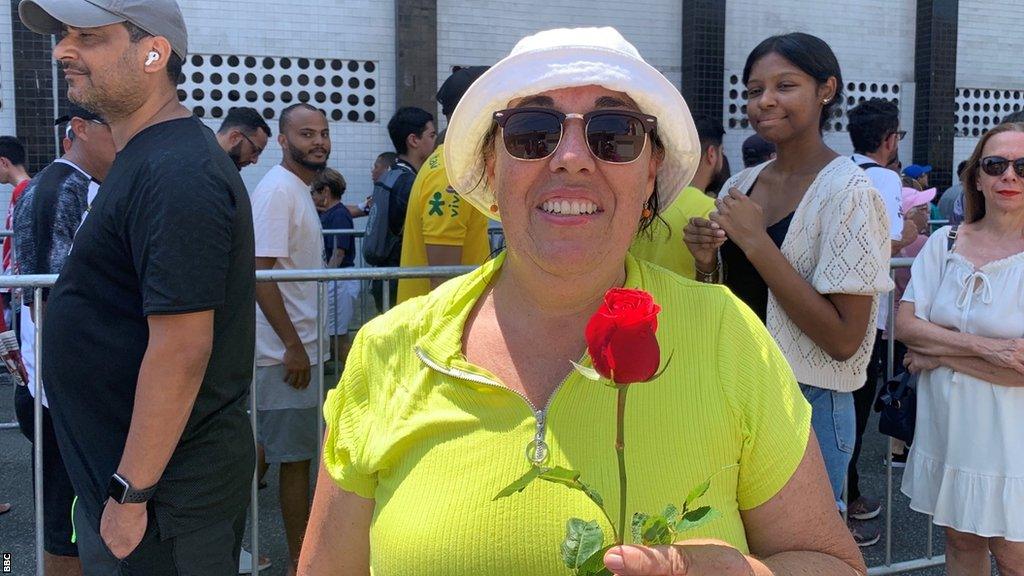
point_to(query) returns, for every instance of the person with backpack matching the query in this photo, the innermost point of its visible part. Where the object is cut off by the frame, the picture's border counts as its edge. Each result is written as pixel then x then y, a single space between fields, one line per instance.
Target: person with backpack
pixel 413 133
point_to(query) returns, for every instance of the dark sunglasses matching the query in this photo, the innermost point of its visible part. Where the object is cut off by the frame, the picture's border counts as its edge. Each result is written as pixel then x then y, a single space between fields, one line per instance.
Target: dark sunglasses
pixel 996 165
pixel 616 136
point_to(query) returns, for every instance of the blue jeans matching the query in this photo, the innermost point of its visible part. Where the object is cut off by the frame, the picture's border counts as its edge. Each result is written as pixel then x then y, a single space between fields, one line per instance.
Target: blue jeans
pixel 834 421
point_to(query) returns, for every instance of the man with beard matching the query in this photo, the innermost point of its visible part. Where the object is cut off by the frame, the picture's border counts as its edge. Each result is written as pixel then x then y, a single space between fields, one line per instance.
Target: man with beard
pixel 874 127
pixel 663 243
pixel 147 340
pixel 45 221
pixel 288 238
pixel 243 135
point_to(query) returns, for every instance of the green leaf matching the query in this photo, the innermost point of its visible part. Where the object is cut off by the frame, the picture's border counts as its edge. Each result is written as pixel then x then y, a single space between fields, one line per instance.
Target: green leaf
pixel 656 531
pixel 593 495
pixel 670 514
pixel 582 540
pixel 524 481
pixel 594 566
pixel 697 518
pixel 637 526
pixel 586 371
pixel 559 475
pixel 571 479
pixel 696 493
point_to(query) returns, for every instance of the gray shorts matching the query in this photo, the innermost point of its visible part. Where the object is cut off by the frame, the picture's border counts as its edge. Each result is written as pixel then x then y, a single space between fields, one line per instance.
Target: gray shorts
pixel 288 434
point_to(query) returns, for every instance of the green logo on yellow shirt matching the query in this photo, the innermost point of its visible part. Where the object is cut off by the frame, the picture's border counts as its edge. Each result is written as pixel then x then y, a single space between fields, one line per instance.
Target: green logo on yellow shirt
pixel 436 205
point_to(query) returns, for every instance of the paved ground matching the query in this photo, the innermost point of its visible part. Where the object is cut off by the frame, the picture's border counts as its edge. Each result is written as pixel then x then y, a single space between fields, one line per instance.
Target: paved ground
pixel 16 533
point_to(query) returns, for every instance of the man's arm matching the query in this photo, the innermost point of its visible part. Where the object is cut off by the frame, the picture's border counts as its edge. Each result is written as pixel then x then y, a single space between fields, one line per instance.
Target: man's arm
pixel 336 258
pixel 268 296
pixel 169 379
pixel 440 255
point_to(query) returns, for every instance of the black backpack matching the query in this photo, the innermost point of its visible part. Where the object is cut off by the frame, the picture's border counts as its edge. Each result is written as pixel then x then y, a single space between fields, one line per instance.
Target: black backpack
pixel 381 245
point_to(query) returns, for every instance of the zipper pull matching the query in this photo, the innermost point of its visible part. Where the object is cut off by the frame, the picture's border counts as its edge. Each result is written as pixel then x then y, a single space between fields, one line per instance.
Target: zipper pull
pixel 537 450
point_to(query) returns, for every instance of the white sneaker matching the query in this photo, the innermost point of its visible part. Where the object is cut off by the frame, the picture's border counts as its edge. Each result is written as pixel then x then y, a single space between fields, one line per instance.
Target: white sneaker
pixel 245 563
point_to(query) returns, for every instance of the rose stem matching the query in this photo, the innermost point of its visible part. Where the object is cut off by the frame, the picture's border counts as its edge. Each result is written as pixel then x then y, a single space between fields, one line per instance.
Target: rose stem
pixel 620 446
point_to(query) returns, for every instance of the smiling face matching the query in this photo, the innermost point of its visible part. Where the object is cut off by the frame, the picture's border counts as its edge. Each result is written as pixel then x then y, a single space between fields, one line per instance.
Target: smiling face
pixel 571 212
pixel 783 101
pixel 1004 192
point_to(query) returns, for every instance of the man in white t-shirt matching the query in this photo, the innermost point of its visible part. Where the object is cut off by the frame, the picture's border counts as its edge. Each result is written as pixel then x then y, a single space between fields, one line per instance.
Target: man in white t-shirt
pixel 874 128
pixel 288 237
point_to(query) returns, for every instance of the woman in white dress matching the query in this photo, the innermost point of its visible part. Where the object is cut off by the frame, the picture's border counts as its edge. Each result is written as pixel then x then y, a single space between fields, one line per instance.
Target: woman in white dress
pixel 963 321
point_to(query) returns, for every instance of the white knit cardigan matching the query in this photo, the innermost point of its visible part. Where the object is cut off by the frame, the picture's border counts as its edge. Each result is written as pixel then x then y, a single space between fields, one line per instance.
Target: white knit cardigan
pixel 838 241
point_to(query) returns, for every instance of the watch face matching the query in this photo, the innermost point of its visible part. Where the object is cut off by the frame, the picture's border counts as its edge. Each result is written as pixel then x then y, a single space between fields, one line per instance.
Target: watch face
pixel 117 488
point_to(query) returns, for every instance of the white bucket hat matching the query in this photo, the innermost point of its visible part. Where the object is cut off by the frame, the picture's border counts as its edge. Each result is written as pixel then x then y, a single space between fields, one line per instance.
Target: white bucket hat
pixel 564 58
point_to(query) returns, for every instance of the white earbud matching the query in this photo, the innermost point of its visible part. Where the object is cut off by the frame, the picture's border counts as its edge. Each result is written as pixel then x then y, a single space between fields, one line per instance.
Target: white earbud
pixel 153 57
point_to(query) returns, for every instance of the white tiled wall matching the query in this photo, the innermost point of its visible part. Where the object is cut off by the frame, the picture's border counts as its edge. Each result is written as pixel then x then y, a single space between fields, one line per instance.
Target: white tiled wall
pixel 330 29
pixel 6 86
pixel 986 55
pixel 873 40
pixel 484 31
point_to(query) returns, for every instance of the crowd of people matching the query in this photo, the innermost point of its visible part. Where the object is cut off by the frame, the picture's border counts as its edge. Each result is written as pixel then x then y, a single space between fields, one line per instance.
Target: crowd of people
pixel 772 284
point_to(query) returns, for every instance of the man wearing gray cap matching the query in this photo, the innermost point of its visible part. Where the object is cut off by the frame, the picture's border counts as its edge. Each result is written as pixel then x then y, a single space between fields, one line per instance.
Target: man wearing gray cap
pixel 148 334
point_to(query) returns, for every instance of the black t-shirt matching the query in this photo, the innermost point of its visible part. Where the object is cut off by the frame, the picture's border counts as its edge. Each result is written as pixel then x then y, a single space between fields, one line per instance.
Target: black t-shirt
pixel 170 232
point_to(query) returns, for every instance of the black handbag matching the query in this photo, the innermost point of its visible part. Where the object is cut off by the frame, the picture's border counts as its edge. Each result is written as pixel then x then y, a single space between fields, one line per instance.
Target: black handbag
pixel 897 404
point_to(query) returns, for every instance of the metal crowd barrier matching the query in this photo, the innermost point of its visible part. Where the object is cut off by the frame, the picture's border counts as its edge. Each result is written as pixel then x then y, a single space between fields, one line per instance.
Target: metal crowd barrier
pixel 387 275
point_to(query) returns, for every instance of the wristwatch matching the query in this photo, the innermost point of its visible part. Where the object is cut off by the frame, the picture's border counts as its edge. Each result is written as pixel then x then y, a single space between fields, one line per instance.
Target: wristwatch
pixel 122 492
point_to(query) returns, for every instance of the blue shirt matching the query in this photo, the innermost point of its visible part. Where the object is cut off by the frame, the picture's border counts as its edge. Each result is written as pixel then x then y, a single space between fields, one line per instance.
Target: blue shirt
pixel 338 218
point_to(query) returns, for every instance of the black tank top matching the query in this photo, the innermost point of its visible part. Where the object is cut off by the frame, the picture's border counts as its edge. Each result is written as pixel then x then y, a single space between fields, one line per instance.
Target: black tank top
pixel 740 275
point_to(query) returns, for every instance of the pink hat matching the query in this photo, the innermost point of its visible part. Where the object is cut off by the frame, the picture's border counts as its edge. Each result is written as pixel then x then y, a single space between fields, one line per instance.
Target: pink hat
pixel 913 198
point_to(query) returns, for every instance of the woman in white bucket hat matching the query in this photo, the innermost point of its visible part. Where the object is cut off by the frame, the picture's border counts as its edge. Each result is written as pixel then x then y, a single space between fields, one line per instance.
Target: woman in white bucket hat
pixel 572 141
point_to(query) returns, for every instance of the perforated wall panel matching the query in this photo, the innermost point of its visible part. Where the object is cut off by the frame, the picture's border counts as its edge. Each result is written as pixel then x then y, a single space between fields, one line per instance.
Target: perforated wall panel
pixel 345 89
pixel 978 109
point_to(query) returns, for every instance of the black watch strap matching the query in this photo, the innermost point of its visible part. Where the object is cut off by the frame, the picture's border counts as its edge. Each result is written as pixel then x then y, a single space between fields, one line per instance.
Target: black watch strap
pixel 122 492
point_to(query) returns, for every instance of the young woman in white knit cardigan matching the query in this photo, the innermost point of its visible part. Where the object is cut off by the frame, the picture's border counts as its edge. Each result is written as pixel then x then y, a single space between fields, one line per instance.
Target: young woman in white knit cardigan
pixel 803 239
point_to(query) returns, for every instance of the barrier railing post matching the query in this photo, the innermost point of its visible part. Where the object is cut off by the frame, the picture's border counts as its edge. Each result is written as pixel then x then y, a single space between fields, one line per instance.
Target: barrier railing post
pixel 890 370
pixel 320 333
pixel 254 496
pixel 37 428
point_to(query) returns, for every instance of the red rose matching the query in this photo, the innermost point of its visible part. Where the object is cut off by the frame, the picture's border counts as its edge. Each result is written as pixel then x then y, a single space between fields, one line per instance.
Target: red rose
pixel 620 336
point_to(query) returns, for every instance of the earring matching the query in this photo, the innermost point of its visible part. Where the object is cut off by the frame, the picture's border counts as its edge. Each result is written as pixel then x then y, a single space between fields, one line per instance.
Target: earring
pixel 494 208
pixel 647 213
pixel 824 101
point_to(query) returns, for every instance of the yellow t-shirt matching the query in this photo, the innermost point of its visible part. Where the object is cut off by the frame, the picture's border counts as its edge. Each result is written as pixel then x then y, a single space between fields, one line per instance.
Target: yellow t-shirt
pixel 438 215
pixel 665 246
pixel 432 438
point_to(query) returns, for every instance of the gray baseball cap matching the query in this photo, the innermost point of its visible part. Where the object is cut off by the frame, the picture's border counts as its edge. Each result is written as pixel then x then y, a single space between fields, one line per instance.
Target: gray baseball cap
pixel 158 17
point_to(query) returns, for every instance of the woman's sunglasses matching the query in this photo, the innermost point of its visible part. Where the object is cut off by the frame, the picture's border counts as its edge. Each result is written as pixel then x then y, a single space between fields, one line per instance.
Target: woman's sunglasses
pixel 616 136
pixel 996 165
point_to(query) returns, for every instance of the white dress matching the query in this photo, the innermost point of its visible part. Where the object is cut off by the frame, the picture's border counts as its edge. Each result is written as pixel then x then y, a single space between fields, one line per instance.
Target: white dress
pixel 966 466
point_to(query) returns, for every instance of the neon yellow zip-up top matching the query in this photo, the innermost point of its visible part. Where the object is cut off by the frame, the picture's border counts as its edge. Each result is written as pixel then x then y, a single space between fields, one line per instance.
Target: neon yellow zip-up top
pixel 432 438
